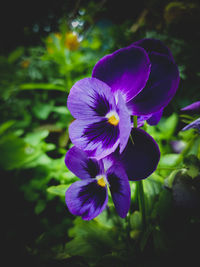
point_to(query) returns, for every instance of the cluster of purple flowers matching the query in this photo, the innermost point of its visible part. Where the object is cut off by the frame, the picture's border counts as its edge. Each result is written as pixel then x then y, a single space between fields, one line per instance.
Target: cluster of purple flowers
pixel 138 80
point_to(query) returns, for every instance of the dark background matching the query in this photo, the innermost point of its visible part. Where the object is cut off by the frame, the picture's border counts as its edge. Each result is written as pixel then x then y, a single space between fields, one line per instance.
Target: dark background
pixel 18 19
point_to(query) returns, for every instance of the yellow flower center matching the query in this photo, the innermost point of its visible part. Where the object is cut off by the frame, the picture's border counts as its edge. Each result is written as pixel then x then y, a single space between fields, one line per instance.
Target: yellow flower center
pixel 113 118
pixel 101 180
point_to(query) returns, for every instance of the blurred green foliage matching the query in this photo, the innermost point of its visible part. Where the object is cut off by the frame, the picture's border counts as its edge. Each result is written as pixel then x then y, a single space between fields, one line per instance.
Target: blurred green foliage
pixel 34 84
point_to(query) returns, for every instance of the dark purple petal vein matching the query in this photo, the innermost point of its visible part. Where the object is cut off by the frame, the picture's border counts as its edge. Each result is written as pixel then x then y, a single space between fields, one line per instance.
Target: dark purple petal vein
pixel 86 199
pixel 81 165
pixel 90 99
pixel 97 139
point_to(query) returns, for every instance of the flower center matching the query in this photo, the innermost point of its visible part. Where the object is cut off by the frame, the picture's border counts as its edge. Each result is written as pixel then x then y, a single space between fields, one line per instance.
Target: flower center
pixel 113 118
pixel 101 180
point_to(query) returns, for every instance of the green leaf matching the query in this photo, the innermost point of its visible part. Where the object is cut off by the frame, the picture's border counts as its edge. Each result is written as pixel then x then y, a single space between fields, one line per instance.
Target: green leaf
pixel 90 239
pixel 14 55
pixel 36 137
pixel 136 220
pixel 152 187
pixel 170 179
pixel 39 158
pixel 163 207
pixel 6 125
pixel 58 190
pixel 61 110
pixel 168 126
pixel 145 237
pixel 169 160
pixel 42 86
pixel 40 206
pixel 15 152
pixel 192 164
pixel 42 110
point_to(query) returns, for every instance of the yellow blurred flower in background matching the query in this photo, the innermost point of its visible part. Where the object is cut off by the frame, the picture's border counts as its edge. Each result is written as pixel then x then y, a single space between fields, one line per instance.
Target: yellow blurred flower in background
pixel 71 41
pixel 58 35
pixel 25 63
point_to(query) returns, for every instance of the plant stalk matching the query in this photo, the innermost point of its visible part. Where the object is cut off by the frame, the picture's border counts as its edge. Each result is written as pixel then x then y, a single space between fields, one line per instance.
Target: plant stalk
pixel 141 202
pixel 135 121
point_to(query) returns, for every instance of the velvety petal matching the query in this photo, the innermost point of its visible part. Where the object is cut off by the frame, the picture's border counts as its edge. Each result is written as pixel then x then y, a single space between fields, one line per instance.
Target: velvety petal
pixel 90 99
pixel 155 118
pixel 86 199
pixel 139 159
pixel 126 69
pixel 153 45
pixel 160 88
pixel 124 122
pixel 193 125
pixel 97 139
pixel 120 189
pixel 81 165
pixel 193 108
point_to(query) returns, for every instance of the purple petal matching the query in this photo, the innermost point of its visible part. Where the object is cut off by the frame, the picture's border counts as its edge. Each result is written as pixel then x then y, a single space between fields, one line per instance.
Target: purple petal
pixel 194 107
pixel 120 189
pixel 141 120
pixel 141 158
pixel 81 165
pixel 152 119
pixel 97 139
pixel 90 99
pixel 86 199
pixel 126 70
pixel 153 45
pixel 160 88
pixel 155 118
pixel 124 122
pixel 193 125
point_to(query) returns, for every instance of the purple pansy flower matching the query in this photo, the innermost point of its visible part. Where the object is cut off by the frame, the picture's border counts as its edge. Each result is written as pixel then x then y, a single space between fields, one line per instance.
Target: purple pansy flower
pixel 160 78
pixel 88 197
pixel 193 125
pixel 102 121
pixel 140 157
pixel 193 108
pixel 102 117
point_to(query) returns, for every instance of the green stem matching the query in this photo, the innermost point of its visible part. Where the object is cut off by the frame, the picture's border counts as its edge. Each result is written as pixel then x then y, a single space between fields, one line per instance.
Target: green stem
pixel 131 139
pixel 135 126
pixel 135 121
pixel 141 202
pixel 168 168
pixel 139 187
